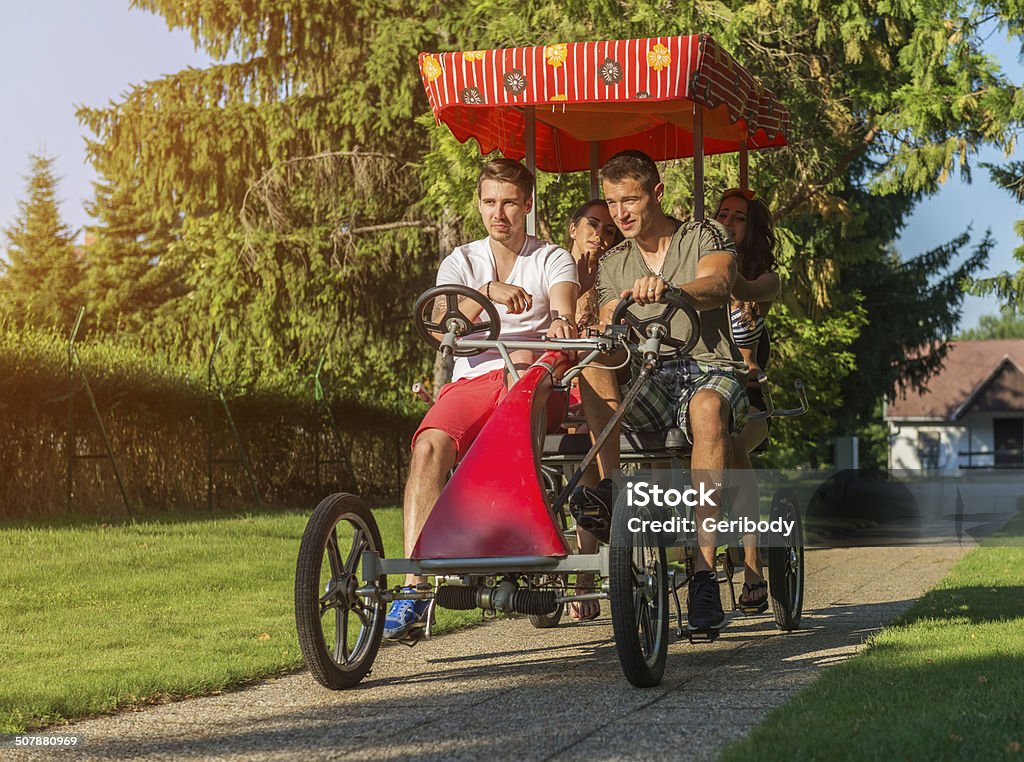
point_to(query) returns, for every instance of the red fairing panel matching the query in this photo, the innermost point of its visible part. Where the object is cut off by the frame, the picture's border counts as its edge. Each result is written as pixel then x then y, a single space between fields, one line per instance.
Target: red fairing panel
pixel 494 504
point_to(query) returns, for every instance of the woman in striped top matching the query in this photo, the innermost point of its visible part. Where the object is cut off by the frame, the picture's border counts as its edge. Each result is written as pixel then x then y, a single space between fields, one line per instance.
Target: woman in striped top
pixel 749 221
pixel 590 234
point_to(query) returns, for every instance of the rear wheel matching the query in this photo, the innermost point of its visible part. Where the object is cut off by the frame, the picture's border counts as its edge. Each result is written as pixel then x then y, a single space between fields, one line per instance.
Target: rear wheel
pixel 339 631
pixel 786 564
pixel 638 590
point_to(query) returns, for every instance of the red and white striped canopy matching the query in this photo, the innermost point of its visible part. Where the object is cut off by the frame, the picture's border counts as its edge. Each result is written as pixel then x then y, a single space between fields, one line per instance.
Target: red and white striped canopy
pixel 619 94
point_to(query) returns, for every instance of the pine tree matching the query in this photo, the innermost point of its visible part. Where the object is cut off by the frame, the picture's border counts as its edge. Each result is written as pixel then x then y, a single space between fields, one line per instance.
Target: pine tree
pixel 1007 286
pixel 41 283
pixel 128 273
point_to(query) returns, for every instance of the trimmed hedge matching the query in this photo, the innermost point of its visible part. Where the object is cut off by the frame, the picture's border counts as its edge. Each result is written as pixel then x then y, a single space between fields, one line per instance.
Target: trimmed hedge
pixel 155 412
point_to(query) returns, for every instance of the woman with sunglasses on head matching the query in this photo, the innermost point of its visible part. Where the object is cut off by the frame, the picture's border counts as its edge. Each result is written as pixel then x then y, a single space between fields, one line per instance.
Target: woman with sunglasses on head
pixel 591 233
pixel 749 221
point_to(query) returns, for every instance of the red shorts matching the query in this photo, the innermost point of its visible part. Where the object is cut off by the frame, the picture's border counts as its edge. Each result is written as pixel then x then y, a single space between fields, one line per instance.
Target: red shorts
pixel 575 398
pixel 463 407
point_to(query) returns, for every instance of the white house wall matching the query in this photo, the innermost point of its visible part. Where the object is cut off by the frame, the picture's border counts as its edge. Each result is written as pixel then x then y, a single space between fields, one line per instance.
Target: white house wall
pixel 904 447
pixel 972 432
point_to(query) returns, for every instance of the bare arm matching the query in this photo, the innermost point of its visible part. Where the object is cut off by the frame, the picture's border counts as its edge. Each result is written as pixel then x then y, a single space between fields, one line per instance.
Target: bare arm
pixel 713 284
pixel 764 288
pixel 563 304
pixel 514 298
pixel 606 312
pixel 468 307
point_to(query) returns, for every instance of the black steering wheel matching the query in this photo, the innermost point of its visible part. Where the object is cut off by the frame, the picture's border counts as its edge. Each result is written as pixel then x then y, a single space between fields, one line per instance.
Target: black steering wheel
pixel 453 319
pixel 674 301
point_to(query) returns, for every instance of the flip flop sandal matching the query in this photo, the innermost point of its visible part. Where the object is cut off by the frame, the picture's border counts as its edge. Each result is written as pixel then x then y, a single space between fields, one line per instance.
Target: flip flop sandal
pixel 574 611
pixel 750 600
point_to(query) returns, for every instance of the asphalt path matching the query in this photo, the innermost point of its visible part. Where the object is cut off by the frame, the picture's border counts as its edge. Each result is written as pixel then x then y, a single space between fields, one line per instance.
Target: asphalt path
pixel 506 690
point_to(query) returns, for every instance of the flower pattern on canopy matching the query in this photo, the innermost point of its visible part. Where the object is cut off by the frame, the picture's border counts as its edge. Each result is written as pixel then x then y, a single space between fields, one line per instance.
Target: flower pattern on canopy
pixel 431 68
pixel 515 82
pixel 555 55
pixel 658 57
pixel 471 96
pixel 610 71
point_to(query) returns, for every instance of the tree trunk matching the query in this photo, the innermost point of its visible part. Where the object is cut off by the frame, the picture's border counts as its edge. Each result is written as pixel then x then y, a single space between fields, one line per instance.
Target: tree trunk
pixel 447 240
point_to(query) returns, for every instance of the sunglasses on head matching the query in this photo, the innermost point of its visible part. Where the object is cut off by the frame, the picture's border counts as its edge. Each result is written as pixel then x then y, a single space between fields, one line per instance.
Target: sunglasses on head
pixel 746 193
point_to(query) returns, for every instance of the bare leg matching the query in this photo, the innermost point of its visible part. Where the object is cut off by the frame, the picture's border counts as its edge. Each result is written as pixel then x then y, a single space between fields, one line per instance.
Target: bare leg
pixel 433 456
pixel 746 503
pixel 709 426
pixel 586 544
pixel 585 580
pixel 599 390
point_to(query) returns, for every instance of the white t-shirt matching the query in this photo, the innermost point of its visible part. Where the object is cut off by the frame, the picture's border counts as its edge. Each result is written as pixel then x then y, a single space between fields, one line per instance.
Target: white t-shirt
pixel 538 267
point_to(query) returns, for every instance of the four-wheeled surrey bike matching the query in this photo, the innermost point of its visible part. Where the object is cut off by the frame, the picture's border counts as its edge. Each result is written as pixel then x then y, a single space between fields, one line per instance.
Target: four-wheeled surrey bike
pixel 499 538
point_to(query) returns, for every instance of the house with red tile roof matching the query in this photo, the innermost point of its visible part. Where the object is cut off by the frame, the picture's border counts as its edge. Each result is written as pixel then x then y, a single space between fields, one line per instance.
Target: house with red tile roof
pixel 970 416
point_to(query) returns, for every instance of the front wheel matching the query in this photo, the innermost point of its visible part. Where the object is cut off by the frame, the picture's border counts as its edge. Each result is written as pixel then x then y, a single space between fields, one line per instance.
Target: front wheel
pixel 786 564
pixel 339 631
pixel 638 591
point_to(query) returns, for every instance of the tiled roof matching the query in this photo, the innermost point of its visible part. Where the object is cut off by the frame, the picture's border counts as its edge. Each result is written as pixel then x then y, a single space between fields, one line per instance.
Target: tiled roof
pixel 972 370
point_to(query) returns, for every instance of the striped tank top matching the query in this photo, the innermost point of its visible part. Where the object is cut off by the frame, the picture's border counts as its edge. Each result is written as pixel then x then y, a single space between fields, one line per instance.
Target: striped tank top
pixel 745 334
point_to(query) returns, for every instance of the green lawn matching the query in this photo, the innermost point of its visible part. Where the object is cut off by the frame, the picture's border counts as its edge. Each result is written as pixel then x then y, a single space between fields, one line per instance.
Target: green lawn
pixel 945 681
pixel 94 617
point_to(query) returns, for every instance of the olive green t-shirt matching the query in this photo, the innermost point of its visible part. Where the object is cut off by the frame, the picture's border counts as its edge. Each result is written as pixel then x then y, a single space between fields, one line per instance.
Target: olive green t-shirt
pixel 622 265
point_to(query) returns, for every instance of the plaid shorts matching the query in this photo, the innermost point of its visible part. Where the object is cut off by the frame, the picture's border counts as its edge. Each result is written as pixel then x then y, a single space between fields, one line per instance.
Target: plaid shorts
pixel 664 401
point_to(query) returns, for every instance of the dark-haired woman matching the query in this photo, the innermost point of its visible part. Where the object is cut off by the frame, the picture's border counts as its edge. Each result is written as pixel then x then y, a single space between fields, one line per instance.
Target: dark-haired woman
pixel 591 233
pixel 757 285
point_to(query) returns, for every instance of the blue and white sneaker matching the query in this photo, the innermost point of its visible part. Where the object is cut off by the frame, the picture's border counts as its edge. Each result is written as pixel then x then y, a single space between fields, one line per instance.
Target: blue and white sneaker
pixel 403 616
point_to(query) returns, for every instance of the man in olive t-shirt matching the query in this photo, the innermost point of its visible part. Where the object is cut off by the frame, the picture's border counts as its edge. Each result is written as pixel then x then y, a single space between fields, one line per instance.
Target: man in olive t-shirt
pixel 704 393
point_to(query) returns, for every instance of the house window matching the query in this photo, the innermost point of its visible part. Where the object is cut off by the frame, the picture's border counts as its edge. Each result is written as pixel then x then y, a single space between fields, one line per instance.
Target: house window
pixel 928 444
pixel 1008 441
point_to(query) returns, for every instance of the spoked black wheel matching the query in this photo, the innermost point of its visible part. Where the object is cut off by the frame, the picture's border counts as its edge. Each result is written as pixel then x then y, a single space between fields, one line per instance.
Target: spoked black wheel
pixel 339 631
pixel 786 564
pixel 638 590
pixel 546 621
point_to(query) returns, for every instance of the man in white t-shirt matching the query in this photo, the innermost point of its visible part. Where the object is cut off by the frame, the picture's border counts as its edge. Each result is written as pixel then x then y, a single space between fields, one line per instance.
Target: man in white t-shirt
pixel 534 287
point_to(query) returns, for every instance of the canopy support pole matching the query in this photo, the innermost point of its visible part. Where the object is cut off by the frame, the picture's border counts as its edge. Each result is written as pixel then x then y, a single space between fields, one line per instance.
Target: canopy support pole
pixel 698 162
pixel 594 189
pixel 744 167
pixel 531 164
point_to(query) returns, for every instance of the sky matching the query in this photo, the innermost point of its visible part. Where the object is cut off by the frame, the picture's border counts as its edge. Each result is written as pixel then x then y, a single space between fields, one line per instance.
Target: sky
pixel 57 54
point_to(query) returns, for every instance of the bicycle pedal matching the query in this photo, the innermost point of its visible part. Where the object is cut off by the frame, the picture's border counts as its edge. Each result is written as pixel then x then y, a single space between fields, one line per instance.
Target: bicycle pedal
pixel 702 636
pixel 752 610
pixel 415 635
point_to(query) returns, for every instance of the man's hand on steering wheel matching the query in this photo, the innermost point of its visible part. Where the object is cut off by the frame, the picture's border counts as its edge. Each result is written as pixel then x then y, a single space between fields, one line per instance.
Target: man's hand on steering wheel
pixel 647 290
pixel 515 298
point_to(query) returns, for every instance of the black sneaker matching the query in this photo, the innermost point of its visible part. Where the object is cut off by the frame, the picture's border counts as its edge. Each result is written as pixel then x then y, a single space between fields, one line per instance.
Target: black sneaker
pixel 592 508
pixel 704 603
